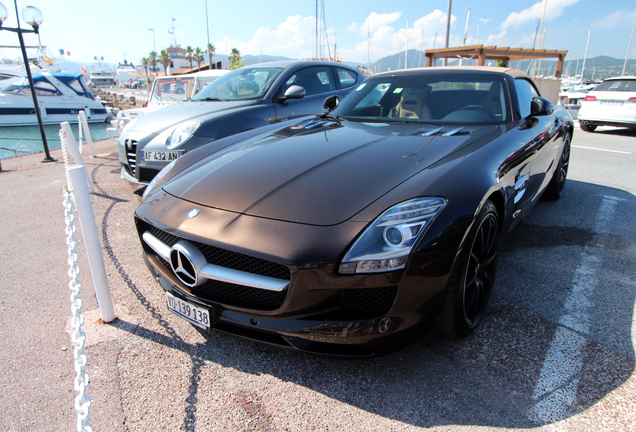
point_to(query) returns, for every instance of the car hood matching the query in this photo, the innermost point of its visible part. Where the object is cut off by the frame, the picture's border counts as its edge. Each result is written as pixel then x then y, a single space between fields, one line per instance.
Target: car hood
pixel 317 172
pixel 172 115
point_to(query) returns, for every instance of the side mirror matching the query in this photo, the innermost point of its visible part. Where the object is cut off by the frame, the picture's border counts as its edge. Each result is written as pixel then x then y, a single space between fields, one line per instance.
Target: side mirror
pixel 331 103
pixel 293 92
pixel 540 107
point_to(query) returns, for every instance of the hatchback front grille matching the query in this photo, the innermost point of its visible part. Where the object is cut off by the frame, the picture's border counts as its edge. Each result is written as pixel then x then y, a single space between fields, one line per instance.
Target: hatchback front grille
pixel 131 155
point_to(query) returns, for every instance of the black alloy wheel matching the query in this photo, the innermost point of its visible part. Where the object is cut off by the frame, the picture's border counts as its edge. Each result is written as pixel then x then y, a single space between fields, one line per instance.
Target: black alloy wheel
pixel 553 191
pixel 471 281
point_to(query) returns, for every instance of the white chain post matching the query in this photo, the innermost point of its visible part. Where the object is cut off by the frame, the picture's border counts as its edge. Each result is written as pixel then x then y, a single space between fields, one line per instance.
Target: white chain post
pixel 82 401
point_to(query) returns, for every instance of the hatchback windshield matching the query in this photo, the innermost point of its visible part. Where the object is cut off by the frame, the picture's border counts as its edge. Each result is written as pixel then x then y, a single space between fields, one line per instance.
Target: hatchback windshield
pixel 433 99
pixel 617 85
pixel 241 84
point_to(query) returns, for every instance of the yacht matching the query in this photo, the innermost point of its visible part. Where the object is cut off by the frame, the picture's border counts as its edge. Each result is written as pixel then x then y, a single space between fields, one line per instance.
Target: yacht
pixel 61 97
pixel 101 75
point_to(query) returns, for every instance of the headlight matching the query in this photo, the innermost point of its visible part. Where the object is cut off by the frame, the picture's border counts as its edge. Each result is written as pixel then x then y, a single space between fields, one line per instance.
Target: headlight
pixel 182 133
pixel 158 178
pixel 387 243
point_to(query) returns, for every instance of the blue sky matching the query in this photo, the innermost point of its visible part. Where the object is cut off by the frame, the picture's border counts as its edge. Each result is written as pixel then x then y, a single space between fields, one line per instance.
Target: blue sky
pixel 362 30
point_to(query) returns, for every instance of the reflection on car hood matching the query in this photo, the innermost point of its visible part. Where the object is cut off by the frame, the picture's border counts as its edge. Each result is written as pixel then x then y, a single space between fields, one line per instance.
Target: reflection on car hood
pixel 319 173
pixel 172 115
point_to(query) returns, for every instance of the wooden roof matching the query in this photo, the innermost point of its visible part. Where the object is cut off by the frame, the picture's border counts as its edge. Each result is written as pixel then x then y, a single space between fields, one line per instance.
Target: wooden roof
pixel 505 54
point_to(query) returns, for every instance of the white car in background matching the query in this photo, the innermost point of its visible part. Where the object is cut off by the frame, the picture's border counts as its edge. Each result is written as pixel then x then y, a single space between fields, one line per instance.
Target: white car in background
pixel 611 103
pixel 165 91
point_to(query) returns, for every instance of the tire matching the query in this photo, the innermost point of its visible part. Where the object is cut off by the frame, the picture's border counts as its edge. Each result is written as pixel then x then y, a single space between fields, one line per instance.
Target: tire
pixel 470 283
pixel 553 191
pixel 587 127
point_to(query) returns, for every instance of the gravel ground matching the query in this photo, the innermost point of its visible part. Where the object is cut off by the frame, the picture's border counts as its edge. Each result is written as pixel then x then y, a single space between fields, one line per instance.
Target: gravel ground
pixel 150 370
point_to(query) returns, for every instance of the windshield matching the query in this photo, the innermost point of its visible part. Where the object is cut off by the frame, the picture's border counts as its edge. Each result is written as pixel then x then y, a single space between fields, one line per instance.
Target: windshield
pixel 171 89
pixel 617 85
pixel 21 86
pixel 241 84
pixel 427 98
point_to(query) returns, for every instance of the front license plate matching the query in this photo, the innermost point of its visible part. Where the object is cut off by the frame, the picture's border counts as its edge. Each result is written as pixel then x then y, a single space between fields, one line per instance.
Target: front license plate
pixel 160 156
pixel 198 316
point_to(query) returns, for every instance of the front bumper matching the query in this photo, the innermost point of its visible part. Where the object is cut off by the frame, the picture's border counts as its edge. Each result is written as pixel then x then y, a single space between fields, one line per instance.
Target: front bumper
pixel 320 311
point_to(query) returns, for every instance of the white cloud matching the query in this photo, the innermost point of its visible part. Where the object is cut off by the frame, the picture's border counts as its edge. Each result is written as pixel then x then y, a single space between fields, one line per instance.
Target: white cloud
pixel 374 22
pixel 295 35
pixel 554 9
pixel 616 19
pixel 386 40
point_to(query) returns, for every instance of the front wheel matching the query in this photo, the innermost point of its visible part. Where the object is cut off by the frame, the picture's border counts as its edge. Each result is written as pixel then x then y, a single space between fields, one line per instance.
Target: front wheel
pixel 553 191
pixel 472 278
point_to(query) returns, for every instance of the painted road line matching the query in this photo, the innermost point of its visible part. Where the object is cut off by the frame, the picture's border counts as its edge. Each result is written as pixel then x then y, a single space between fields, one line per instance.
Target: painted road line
pixel 556 389
pixel 603 150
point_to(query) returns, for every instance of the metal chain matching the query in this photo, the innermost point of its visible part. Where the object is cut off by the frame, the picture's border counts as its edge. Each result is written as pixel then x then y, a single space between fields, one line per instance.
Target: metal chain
pixel 82 401
pixel 79 124
pixel 62 135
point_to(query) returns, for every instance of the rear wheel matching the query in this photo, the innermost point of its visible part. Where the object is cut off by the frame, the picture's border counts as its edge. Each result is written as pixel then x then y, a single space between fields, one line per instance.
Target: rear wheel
pixel 472 278
pixel 553 191
pixel 587 127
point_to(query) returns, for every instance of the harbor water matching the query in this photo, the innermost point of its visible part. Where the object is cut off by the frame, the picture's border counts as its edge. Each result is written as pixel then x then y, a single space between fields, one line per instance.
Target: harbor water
pixel 23 140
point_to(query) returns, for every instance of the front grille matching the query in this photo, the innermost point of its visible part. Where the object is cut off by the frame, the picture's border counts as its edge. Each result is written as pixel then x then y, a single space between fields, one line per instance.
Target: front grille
pixel 131 155
pixel 228 293
pixel 372 301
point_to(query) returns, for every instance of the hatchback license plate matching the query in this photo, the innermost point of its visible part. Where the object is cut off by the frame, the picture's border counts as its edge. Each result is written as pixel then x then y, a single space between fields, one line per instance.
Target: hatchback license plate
pixel 612 102
pixel 198 316
pixel 160 156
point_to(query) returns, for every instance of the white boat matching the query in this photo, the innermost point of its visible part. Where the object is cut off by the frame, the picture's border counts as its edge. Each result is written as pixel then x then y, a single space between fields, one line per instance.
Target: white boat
pixel 61 97
pixel 101 75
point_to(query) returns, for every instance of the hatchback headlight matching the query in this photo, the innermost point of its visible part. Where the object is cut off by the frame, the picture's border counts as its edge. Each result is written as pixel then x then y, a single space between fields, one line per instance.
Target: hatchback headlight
pixel 387 243
pixel 181 133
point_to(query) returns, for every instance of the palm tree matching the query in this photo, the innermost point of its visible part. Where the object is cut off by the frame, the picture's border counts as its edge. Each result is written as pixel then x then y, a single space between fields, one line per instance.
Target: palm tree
pixel 189 56
pixel 165 60
pixel 235 59
pixel 198 57
pixel 145 62
pixel 152 57
pixel 211 51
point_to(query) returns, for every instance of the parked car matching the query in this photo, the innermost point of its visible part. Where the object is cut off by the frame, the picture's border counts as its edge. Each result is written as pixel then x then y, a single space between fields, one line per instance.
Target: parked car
pixel 347 232
pixel 162 95
pixel 611 103
pixel 241 100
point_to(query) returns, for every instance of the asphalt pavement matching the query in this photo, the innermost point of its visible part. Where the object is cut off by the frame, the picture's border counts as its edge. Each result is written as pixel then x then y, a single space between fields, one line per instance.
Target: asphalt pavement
pixel 556 351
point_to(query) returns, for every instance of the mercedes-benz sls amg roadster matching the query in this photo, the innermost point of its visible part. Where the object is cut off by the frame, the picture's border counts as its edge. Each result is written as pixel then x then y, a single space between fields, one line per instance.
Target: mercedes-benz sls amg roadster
pixel 349 233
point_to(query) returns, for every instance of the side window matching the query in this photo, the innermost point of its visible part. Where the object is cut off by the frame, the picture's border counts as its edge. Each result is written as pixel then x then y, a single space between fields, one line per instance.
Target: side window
pixel 525 93
pixel 347 78
pixel 314 80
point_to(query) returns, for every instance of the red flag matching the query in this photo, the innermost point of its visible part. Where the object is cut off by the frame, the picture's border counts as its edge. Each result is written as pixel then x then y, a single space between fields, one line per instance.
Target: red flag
pixel 83 69
pixel 68 53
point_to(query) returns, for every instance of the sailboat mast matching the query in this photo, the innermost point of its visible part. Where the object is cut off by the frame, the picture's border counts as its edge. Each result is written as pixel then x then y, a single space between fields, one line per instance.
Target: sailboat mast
pixel 629 48
pixel 585 55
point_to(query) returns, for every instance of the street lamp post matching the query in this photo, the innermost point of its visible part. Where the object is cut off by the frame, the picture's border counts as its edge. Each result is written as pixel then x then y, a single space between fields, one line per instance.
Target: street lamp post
pixel 34 18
